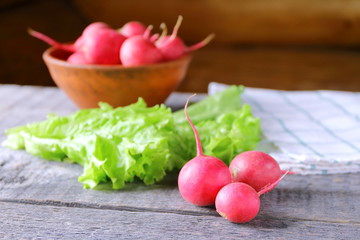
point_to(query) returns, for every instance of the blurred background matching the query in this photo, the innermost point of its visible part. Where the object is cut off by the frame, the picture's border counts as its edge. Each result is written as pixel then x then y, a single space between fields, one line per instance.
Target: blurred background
pixel 278 44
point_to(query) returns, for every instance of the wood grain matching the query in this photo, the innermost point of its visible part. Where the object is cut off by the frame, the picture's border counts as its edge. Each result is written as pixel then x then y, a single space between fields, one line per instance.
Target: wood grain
pixel 271 22
pixel 275 68
pixel 27 179
pixel 34 221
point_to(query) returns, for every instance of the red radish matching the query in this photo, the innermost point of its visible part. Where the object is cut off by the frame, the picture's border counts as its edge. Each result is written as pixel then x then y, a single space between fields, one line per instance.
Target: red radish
pixel 94 27
pixel 77 58
pixel 132 28
pixel 238 202
pixel 139 50
pixel 68 47
pixel 172 47
pixel 202 177
pixel 255 168
pixel 79 43
pixel 50 41
pixel 102 46
pixel 88 32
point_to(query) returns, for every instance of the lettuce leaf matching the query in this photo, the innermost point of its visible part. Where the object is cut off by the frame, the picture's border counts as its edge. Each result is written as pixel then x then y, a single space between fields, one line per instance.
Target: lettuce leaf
pixel 212 106
pixel 119 145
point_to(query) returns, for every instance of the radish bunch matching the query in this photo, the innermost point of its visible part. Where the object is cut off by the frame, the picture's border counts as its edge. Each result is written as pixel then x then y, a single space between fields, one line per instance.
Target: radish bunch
pixel 131 45
pixel 235 190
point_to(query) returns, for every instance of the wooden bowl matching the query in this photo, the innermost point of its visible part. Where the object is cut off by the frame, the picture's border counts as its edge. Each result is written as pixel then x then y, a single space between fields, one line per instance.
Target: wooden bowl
pixel 87 85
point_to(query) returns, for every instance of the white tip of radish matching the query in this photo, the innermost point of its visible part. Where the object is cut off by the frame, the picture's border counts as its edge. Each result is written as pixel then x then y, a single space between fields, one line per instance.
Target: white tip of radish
pixel 164 29
pixel 208 38
pixel 176 27
pixel 179 20
pixel 148 31
pixel 202 43
pixel 30 31
pixel 187 103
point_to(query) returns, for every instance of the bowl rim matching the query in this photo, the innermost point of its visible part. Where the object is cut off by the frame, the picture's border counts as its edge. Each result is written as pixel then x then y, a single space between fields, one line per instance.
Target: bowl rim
pixel 50 59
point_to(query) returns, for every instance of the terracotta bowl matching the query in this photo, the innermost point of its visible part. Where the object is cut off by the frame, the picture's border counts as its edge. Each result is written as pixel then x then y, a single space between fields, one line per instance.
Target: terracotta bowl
pixel 87 85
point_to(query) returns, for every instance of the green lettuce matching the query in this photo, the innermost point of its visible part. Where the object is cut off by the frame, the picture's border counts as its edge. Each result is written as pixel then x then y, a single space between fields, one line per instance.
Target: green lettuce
pixel 119 145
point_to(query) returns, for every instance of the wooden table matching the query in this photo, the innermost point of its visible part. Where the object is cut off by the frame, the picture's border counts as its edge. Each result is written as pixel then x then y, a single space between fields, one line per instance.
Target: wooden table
pixel 40 199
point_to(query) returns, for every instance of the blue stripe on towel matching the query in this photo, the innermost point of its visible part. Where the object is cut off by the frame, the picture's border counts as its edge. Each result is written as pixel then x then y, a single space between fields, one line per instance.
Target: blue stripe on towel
pixel 286 129
pixel 283 95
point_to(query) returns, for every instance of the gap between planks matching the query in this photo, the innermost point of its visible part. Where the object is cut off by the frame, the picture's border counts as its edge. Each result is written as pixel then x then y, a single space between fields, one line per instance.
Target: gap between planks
pixel 102 206
pixel 154 210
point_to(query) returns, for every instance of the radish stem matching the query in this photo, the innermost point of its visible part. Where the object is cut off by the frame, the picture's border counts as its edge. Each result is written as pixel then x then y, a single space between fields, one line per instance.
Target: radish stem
pixel 198 142
pixel 164 32
pixel 176 28
pixel 147 32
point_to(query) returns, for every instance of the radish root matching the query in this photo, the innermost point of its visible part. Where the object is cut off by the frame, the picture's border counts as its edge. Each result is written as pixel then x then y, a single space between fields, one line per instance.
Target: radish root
pixel 271 186
pixel 202 43
pixel 50 41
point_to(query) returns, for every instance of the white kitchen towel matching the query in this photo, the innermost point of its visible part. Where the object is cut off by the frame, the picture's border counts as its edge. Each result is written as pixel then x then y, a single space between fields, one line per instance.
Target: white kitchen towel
pixel 310 132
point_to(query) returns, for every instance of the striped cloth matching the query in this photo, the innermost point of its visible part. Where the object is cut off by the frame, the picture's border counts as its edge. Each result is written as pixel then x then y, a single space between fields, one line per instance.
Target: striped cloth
pixel 310 132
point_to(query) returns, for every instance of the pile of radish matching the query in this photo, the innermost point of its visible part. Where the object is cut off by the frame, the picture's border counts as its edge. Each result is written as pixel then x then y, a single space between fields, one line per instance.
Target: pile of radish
pixel 235 190
pixel 131 45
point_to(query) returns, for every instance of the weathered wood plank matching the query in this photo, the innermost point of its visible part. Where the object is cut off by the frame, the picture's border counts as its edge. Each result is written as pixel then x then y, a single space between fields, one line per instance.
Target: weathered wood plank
pixel 20 105
pixel 51 222
pixel 24 178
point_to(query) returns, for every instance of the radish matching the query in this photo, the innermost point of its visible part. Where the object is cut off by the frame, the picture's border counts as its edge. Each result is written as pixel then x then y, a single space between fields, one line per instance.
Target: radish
pixel 102 46
pixel 238 202
pixel 255 168
pixel 202 177
pixel 88 31
pixel 79 43
pixel 133 28
pixel 99 43
pixel 93 27
pixel 140 50
pixel 77 58
pixel 172 47
pixel 68 47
